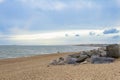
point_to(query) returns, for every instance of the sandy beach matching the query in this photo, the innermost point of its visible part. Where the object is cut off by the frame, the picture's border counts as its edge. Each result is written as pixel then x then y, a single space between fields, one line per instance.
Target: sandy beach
pixel 36 68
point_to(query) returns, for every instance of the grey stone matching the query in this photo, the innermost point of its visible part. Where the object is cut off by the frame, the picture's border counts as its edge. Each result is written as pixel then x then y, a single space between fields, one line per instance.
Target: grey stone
pixel 99 60
pixel 81 58
pixel 113 50
pixel 92 52
pixel 84 62
pixel 103 54
pixel 70 60
pixel 76 55
pixel 87 53
pixel 54 62
pixel 96 56
pixel 61 61
pixel 88 60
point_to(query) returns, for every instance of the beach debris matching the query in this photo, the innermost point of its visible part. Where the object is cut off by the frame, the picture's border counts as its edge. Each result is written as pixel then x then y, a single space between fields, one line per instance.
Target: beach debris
pixel 101 55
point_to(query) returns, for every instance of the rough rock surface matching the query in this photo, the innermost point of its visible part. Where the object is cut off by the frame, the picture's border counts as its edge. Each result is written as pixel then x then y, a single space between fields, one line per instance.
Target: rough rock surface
pixel 96 56
pixel 99 60
pixel 81 58
pixel 70 60
pixel 113 51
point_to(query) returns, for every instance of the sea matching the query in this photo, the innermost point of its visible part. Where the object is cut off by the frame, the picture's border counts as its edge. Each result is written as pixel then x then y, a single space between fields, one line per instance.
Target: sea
pixel 14 51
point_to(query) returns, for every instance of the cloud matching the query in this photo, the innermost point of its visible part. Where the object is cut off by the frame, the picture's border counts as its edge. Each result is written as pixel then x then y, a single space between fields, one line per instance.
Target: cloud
pixel 111 31
pixel 91 33
pixel 44 4
pixel 58 5
pixel 52 20
pixel 50 38
pixel 66 35
pixel 77 35
pixel 1 1
pixel 18 30
pixel 116 37
pixel 59 37
pixel 118 3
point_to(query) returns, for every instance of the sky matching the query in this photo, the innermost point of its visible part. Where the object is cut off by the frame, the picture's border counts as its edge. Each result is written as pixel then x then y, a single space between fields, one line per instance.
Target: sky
pixel 59 22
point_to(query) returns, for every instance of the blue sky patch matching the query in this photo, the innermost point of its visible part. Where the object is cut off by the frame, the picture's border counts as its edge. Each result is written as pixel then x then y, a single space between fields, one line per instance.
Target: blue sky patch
pixel 32 20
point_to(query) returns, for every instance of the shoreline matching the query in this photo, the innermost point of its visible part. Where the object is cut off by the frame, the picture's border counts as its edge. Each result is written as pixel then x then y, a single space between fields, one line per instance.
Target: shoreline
pixel 26 51
pixel 20 59
pixel 38 55
pixel 36 68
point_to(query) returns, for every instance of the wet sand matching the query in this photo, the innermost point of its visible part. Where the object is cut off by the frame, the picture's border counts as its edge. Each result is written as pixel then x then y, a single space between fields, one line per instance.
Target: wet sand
pixel 36 68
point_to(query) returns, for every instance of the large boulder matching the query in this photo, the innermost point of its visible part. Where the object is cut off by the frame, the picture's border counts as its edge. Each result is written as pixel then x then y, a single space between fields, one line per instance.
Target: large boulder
pixel 82 58
pixel 75 55
pixel 96 56
pixel 93 52
pixel 100 60
pixel 86 53
pixel 59 61
pixel 102 52
pixel 113 50
pixel 70 60
pixel 54 62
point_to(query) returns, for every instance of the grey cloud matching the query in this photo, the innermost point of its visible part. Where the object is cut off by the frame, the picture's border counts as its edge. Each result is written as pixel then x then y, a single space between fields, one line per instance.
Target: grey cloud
pixel 77 35
pixel 91 33
pixel 111 31
pixel 116 37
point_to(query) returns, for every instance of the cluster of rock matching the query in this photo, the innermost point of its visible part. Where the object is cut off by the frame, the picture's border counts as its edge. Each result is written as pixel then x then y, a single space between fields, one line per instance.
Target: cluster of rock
pixel 97 56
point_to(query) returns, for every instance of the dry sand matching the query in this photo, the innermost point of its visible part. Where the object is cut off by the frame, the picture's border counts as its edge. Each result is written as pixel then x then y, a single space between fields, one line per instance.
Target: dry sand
pixel 35 68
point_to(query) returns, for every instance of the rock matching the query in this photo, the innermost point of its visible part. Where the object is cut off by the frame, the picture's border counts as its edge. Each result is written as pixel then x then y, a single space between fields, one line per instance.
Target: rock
pixel 99 60
pixel 87 53
pixel 96 56
pixel 95 52
pixel 103 54
pixel 85 62
pixel 88 60
pixel 54 62
pixel 113 50
pixel 76 55
pixel 84 55
pixel 81 58
pixel 92 52
pixel 70 60
pixel 61 61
